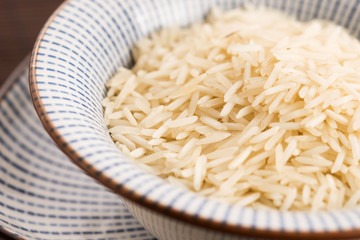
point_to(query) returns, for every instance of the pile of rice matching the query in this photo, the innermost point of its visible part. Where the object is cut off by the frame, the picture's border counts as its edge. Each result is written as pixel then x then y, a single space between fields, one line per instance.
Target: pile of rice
pixel 251 107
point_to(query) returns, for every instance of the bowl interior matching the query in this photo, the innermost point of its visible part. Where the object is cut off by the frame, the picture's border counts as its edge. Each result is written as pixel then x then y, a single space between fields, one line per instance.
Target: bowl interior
pixel 82 46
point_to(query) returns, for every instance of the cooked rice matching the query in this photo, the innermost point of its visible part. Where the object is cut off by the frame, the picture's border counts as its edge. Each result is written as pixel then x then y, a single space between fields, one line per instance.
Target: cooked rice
pixel 251 107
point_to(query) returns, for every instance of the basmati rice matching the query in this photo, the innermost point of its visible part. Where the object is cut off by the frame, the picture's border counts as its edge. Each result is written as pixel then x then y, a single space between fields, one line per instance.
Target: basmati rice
pixel 251 107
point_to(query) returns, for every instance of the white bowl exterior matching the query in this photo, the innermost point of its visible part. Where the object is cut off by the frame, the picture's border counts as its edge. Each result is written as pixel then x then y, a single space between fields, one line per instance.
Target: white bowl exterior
pixel 86 43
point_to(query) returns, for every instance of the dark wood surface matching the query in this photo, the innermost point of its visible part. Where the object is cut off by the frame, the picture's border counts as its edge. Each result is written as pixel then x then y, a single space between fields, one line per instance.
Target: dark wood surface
pixel 3 237
pixel 20 23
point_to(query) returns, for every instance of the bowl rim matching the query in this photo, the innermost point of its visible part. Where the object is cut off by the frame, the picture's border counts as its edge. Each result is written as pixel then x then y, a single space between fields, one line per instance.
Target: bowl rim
pixel 137 198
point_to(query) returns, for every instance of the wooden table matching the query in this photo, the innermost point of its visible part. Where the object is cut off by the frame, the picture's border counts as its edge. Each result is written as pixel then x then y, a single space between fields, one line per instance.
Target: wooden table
pixel 20 23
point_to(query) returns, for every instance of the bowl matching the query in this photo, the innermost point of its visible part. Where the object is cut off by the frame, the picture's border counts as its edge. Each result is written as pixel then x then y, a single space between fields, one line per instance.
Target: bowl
pixel 83 44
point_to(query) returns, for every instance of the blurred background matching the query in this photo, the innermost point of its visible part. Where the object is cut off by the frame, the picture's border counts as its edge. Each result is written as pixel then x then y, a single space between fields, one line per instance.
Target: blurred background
pixel 20 23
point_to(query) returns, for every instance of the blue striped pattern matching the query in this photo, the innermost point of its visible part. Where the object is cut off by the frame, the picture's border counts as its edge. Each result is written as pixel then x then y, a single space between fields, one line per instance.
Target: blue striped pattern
pixel 85 44
pixel 42 194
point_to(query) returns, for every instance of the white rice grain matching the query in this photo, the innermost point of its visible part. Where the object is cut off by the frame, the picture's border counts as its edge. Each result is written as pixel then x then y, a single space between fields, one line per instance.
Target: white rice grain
pixel 181 122
pixel 251 107
pixel 354 147
pixel 240 158
pixel 198 175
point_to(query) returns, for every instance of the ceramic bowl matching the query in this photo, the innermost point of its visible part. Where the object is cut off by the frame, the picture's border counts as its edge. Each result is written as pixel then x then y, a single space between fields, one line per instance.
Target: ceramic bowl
pixel 82 46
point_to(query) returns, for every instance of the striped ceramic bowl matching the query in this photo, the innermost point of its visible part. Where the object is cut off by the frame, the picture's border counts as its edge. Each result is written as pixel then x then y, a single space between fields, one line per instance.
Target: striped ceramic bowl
pixel 81 47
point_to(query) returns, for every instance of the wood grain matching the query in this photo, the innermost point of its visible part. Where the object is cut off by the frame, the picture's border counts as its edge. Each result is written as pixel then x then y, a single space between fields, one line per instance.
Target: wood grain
pixel 20 23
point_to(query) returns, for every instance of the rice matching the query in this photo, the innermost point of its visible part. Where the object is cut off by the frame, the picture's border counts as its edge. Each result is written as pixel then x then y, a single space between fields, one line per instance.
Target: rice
pixel 250 106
